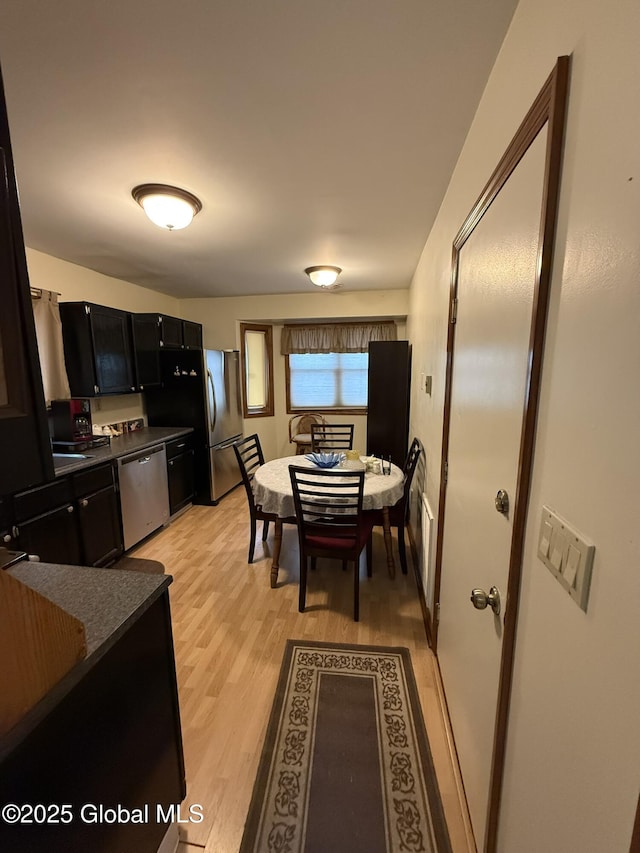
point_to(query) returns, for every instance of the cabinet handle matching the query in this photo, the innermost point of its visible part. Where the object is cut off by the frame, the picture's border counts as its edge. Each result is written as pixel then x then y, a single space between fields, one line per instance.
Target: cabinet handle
pixel 84 502
pixel 15 532
pixel 69 509
pixel 171 462
pixel 6 537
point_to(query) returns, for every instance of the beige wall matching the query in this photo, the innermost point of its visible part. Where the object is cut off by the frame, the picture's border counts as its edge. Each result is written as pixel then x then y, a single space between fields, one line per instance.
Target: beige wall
pixel 221 319
pixel 78 284
pixel 573 751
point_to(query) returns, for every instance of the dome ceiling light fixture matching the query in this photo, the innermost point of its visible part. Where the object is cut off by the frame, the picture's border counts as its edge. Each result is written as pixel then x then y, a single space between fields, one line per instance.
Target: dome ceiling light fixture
pixel 167 207
pixel 323 276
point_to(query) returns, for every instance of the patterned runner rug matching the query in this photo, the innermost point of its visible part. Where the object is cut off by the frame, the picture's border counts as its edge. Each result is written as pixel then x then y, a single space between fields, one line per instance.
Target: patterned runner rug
pixel 346 766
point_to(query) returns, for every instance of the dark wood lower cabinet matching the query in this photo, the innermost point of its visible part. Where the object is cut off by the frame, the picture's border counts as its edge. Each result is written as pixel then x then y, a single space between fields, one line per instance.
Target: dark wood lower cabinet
pixel 52 536
pixel 180 473
pixel 114 741
pixel 73 521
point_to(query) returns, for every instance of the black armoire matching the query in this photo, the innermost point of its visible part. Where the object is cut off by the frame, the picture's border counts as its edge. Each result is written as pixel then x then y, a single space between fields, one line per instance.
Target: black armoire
pixel 389 397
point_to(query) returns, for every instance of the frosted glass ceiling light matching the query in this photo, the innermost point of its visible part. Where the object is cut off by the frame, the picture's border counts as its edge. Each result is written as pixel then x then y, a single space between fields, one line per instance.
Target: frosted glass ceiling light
pixel 167 207
pixel 323 276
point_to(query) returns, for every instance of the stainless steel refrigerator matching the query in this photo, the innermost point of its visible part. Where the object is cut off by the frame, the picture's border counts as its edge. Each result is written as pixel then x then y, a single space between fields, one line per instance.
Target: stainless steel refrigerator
pixel 201 389
pixel 224 418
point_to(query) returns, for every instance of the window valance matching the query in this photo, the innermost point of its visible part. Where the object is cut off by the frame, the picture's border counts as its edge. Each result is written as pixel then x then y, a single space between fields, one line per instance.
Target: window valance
pixel 335 337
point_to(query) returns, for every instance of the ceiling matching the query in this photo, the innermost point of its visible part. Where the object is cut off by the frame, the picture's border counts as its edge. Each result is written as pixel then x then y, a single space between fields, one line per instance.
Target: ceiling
pixel 313 131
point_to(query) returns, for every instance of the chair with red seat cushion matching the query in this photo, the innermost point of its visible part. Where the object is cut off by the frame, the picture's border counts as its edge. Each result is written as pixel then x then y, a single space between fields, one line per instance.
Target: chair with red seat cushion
pixel 331 522
pixel 398 512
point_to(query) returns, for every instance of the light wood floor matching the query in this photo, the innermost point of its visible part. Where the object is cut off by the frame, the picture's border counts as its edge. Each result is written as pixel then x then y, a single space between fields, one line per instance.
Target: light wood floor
pixel 229 631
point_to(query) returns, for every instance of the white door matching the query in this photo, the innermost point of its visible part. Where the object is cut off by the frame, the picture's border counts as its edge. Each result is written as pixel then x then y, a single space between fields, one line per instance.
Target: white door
pixel 496 282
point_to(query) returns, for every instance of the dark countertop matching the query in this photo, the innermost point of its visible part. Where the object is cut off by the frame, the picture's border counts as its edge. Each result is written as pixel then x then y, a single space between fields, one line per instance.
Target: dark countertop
pixel 121 445
pixel 106 601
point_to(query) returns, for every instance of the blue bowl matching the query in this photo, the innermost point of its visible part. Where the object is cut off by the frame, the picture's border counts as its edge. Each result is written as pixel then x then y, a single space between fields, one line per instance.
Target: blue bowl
pixel 325 460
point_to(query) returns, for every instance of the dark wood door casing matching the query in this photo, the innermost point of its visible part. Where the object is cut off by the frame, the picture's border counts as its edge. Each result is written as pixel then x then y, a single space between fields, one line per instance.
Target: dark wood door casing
pixel 548 108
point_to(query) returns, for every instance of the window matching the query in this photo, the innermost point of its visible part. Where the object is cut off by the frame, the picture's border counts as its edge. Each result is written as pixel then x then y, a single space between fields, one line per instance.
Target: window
pixel 256 354
pixel 327 381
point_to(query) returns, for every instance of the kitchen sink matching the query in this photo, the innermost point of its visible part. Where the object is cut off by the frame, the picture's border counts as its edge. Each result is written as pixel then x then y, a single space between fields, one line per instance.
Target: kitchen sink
pixel 71 456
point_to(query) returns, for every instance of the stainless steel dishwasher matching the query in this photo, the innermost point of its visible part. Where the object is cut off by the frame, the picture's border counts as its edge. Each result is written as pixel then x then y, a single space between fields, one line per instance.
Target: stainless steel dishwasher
pixel 144 493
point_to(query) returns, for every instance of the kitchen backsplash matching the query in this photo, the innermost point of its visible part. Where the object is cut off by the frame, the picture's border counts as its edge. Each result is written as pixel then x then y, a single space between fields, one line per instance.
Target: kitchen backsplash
pixel 116 411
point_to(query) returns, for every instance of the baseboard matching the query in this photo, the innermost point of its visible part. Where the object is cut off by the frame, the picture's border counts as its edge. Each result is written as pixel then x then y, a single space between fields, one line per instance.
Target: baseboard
pixel 453 755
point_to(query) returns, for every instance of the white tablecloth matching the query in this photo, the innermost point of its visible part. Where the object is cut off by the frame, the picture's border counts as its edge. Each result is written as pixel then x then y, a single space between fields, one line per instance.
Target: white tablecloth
pixel 272 486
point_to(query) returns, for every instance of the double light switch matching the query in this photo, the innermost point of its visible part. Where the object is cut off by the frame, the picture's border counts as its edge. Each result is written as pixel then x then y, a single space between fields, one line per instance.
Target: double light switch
pixel 567 554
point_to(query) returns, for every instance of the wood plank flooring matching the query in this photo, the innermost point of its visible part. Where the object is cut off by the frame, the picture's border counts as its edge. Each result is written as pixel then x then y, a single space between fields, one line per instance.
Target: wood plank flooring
pixel 229 632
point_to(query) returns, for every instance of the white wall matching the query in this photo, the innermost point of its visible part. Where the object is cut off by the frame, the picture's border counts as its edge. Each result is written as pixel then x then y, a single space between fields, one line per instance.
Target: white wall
pixel 573 751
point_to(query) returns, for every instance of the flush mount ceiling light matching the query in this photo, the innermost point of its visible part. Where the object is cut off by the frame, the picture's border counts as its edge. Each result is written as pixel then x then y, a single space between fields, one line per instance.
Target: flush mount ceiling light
pixel 323 276
pixel 167 207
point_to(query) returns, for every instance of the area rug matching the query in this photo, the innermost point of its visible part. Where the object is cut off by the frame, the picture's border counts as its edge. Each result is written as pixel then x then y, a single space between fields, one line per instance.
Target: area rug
pixel 346 766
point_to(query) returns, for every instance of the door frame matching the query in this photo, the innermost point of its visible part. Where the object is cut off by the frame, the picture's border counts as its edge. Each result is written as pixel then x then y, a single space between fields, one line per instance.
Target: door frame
pixel 549 107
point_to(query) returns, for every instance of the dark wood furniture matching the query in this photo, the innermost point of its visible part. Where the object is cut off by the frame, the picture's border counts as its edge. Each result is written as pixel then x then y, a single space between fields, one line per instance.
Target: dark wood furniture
pixel 25 451
pixel 331 438
pixel 249 455
pixel 331 522
pixel 180 472
pixel 97 349
pixel 145 333
pixel 74 520
pixel 399 512
pixel 109 732
pixel 388 400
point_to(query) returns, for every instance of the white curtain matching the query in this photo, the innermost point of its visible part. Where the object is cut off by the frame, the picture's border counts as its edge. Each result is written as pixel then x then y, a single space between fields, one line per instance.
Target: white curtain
pixel 46 314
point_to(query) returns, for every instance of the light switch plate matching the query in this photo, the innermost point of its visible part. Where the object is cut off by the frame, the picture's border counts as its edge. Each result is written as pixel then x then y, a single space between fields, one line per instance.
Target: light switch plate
pixel 568 555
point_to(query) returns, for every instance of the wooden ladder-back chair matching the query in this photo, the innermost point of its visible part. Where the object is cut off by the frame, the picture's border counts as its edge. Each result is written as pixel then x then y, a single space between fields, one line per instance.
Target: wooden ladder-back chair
pixel 249 455
pixel 300 430
pixel 331 438
pixel 398 512
pixel 331 522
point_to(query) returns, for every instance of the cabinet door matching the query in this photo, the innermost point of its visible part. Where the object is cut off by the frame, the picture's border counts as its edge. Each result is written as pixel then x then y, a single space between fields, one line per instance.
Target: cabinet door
pixel 99 524
pixel 146 349
pixel 180 475
pixel 112 350
pixel 25 451
pixel 191 335
pixel 52 536
pixel 171 332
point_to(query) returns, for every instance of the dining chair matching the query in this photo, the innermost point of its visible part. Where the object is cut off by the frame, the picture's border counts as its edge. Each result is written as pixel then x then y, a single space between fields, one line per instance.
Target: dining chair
pixel 300 430
pixel 399 512
pixel 249 455
pixel 331 437
pixel 331 522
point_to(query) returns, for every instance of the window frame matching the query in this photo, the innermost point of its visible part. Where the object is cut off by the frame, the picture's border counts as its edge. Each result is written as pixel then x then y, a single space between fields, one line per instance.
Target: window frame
pixel 339 410
pixel 268 410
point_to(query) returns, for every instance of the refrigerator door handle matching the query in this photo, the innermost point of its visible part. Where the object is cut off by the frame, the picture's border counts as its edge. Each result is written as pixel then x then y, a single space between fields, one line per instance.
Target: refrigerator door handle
pixel 213 409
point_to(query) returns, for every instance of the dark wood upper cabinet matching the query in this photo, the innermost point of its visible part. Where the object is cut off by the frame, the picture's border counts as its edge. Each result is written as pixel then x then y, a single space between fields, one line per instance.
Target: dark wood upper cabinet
pixel 191 335
pixel 145 330
pixel 25 450
pixel 170 332
pixel 97 349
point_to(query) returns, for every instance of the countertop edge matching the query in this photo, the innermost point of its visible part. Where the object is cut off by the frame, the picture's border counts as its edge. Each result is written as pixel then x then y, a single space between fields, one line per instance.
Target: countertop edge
pixel 15 736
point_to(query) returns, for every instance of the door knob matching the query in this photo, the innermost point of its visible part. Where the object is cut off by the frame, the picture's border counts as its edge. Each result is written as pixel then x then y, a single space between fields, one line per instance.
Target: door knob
pixel 502 502
pixel 481 600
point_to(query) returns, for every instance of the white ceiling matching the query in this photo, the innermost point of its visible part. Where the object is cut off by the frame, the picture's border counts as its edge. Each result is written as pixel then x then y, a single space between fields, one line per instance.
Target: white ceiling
pixel 313 131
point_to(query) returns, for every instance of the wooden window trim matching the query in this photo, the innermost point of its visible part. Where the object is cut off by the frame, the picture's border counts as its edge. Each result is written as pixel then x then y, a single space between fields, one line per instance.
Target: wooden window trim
pixel 267 410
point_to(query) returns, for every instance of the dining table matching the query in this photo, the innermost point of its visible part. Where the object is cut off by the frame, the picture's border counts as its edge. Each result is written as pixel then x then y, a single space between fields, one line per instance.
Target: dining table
pixel 273 491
